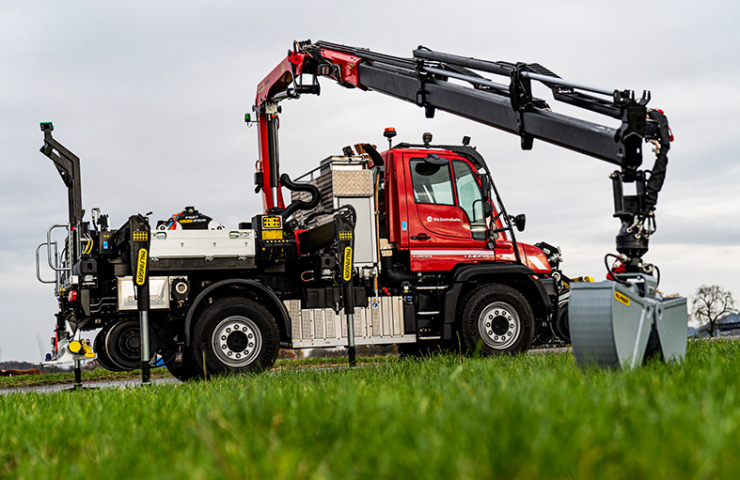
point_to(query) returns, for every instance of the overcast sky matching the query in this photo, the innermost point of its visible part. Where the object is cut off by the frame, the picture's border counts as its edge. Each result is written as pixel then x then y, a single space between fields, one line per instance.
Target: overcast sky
pixel 151 96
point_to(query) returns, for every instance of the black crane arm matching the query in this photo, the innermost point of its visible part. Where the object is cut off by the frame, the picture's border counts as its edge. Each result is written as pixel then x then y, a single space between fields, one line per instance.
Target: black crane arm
pixel 459 85
pixel 427 80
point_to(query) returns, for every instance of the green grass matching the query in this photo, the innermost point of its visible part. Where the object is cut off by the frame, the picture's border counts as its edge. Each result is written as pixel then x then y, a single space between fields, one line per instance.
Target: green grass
pixel 533 416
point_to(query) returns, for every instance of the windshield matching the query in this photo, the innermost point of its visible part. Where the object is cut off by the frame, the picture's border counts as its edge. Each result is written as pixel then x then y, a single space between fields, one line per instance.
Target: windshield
pixel 470 198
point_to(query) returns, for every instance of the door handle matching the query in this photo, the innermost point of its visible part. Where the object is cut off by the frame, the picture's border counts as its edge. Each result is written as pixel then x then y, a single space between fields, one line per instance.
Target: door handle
pixel 423 236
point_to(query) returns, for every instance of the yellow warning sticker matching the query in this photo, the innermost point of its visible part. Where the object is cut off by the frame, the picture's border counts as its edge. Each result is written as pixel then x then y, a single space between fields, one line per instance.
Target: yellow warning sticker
pixel 345 235
pixel 347 274
pixel 141 267
pixel 621 298
pixel 140 236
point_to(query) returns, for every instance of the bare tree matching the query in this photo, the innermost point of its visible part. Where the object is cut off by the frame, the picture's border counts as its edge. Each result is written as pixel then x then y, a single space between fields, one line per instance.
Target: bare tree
pixel 710 304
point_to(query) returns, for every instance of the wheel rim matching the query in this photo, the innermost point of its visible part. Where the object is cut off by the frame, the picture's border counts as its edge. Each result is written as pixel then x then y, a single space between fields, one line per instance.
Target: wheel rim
pixel 499 325
pixel 236 341
pixel 123 345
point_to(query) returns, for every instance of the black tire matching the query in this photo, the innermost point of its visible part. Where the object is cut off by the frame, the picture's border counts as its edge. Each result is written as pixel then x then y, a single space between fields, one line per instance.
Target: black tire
pixel 185 372
pixel 496 320
pixel 236 335
pixel 118 346
pixel 102 355
pixel 419 349
pixel 562 324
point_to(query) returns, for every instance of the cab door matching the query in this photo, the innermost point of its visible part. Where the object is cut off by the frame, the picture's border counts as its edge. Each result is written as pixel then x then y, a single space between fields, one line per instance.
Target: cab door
pixel 445 205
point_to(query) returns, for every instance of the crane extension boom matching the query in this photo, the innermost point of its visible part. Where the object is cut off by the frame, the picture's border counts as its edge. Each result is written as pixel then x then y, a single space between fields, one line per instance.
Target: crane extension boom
pixel 426 80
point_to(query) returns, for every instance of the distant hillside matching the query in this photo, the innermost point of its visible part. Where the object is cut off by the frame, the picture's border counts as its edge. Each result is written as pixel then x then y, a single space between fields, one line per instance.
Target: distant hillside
pixel 18 365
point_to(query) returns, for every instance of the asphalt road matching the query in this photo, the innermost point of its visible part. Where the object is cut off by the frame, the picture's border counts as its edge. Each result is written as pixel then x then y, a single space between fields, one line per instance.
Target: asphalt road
pixel 93 385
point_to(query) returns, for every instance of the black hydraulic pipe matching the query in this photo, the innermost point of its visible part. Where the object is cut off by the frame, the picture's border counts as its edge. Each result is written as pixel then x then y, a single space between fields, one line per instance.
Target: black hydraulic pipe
pixel 369 55
pixel 349 308
pixel 274 157
pixel 483 65
pixel 299 187
pixel 502 68
pixel 468 78
pixel 142 302
pixel 78 375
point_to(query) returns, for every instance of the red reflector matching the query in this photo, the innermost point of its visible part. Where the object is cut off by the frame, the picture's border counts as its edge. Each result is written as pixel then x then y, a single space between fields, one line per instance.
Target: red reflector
pixel 72 296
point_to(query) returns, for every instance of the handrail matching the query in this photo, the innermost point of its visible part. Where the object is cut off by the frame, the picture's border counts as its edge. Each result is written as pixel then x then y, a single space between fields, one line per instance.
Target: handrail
pixel 38 263
pixel 48 241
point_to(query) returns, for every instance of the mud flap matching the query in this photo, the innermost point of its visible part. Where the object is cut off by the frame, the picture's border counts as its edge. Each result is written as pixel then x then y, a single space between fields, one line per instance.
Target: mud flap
pixel 610 322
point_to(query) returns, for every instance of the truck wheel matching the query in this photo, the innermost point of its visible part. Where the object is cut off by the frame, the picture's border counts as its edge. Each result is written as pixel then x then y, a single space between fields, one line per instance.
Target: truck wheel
pixel 184 372
pixel 122 345
pixel 102 354
pixel 562 325
pixel 498 318
pixel 236 335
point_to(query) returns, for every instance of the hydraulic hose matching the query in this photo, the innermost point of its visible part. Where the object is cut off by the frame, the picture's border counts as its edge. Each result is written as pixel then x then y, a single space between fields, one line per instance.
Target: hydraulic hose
pixel 299 187
pixel 657 174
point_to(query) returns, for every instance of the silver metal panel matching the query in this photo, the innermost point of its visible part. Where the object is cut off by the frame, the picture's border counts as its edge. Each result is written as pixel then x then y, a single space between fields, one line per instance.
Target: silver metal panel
pixel 360 322
pixel 397 315
pixel 159 293
pixel 631 326
pixel 387 314
pixel 606 331
pixel 202 243
pixel 318 323
pixel 671 321
pixel 358 341
pixel 306 318
pixel 375 324
pixel 377 309
pixel 366 253
pixel 294 311
pixel 352 183
pixel 331 323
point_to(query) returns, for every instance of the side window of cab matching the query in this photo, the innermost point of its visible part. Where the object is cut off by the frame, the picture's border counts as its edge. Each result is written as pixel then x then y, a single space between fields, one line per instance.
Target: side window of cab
pixel 432 183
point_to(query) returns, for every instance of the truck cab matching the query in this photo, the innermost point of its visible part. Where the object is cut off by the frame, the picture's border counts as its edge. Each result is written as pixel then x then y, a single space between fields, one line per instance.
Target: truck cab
pixel 437 205
pixel 436 234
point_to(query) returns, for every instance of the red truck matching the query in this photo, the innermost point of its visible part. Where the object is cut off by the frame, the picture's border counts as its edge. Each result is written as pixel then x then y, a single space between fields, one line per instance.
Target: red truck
pixel 410 246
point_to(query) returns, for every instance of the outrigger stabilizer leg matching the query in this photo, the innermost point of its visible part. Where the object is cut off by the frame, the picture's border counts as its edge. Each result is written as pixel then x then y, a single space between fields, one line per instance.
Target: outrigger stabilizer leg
pixel 344 225
pixel 140 238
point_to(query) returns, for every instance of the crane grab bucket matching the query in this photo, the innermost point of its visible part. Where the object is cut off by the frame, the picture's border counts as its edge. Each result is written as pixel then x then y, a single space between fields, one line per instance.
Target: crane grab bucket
pixel 619 324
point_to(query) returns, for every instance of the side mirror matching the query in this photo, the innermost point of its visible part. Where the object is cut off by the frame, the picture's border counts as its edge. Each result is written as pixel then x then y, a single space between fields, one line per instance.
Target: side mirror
pixel 433 159
pixel 520 221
